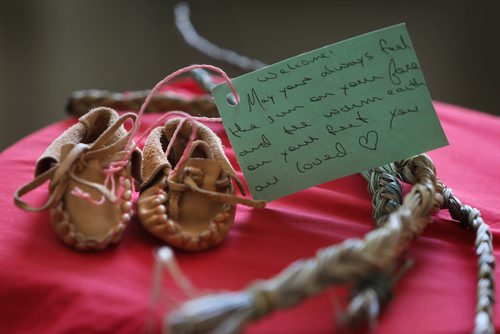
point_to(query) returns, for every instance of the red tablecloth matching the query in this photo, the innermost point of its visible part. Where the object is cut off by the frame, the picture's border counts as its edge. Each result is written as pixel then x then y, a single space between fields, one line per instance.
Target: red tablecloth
pixel 46 287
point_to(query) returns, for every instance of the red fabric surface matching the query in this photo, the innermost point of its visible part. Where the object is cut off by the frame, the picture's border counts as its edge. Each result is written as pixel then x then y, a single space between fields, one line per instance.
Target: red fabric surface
pixel 46 287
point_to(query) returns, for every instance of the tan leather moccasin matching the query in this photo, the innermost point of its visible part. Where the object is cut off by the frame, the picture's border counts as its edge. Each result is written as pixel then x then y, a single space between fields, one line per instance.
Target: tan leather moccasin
pixel 90 172
pixel 189 203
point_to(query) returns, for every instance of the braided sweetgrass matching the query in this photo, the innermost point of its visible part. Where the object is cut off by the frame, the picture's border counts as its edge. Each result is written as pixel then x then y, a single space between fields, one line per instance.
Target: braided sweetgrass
pixel 386 190
pixel 471 218
pixel 374 291
pixel 80 102
pixel 347 263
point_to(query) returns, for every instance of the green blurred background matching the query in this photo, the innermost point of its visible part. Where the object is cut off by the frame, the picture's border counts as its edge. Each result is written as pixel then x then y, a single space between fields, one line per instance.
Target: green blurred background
pixel 53 47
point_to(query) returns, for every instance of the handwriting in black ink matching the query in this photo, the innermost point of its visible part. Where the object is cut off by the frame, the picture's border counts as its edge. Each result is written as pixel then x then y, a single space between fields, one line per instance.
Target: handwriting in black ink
pixel 369 141
pixel 359 82
pixel 332 69
pixel 401 112
pixel 290 67
pixel 360 118
pixel 239 129
pixel 306 62
pixel 331 130
pixel 292 148
pixel 258 164
pixel 293 128
pixel 268 184
pixel 412 85
pixel 263 143
pixel 287 88
pixel 254 99
pixel 289 111
pixel 320 97
pixel 340 152
pixel 347 108
pixel 384 45
pixel 395 71
pixel 268 76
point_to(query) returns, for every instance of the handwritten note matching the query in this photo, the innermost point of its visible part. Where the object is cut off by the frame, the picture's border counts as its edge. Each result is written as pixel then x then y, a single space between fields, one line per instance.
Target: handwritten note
pixel 329 113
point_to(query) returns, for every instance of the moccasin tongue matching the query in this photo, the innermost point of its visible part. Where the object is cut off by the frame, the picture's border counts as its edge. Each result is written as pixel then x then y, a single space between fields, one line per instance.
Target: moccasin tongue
pixel 196 210
pixel 199 166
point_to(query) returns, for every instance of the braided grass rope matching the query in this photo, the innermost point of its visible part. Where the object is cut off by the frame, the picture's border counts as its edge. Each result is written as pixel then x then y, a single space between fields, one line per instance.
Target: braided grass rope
pixel 373 292
pixel 81 101
pixel 345 263
pixel 386 190
pixel 471 218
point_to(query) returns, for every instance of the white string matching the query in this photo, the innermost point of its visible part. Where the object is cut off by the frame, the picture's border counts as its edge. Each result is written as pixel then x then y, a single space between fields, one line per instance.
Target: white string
pixel 165 259
pixel 208 48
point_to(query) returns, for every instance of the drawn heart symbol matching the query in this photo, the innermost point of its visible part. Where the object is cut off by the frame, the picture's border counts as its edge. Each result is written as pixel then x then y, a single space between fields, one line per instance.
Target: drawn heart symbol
pixel 369 141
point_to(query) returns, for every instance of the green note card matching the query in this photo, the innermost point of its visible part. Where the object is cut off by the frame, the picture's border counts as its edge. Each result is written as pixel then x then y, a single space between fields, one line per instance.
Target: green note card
pixel 328 113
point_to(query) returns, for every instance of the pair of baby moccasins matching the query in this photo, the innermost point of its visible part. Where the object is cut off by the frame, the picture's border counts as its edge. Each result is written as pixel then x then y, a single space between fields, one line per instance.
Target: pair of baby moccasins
pixel 187 197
